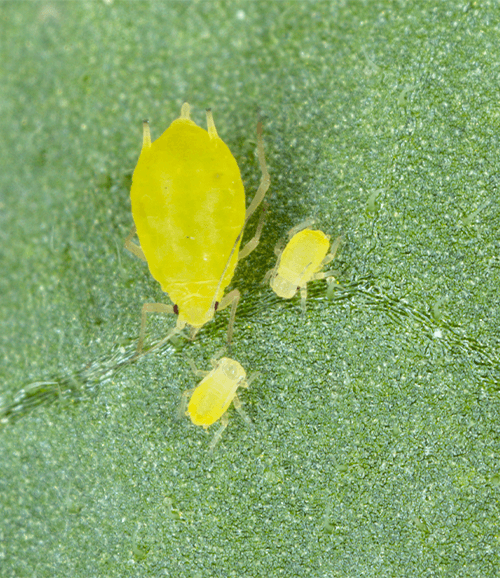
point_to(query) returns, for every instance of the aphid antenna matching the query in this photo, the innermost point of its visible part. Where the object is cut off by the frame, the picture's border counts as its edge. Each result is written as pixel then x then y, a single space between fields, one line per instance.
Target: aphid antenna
pixel 212 306
pixel 240 234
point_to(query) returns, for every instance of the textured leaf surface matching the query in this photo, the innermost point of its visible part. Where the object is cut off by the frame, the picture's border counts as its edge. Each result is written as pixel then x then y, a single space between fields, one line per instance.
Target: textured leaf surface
pixel 375 445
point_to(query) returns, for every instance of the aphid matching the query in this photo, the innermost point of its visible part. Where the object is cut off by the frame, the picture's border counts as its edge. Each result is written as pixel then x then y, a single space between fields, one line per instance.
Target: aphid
pixel 214 394
pixel 188 205
pixel 301 261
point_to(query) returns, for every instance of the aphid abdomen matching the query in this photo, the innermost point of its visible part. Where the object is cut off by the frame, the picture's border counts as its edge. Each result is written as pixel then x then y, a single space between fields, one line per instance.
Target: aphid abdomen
pixel 303 256
pixel 211 399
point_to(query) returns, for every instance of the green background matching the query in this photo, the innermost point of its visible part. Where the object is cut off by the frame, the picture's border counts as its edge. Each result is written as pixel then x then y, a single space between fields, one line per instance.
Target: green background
pixel 374 449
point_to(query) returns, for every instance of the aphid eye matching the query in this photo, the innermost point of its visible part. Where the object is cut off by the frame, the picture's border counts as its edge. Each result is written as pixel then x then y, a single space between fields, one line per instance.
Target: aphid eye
pixel 176 309
pixel 216 305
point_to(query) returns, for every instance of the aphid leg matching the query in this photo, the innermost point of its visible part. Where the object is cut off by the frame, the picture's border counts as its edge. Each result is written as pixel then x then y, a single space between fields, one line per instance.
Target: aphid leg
pixel 251 378
pixel 278 251
pixel 218 354
pixel 132 247
pixel 333 251
pixel 325 274
pixel 254 241
pixel 232 299
pixel 146 135
pixel 240 410
pixel 268 275
pixel 212 131
pixel 265 180
pixel 151 308
pixel 195 370
pixel 303 297
pixel 224 420
pixel 181 412
pixel 300 227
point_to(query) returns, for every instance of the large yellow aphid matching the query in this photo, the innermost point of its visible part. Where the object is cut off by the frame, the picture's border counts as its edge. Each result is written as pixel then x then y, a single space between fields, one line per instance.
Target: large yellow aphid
pixel 188 205
pixel 214 394
pixel 301 261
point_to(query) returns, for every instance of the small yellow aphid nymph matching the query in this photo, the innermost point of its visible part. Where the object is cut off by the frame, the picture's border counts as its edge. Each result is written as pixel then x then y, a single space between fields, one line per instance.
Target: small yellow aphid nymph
pixel 214 394
pixel 301 261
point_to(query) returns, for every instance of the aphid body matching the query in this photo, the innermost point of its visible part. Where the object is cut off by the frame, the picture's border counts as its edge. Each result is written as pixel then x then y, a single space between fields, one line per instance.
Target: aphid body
pixel 301 261
pixel 215 393
pixel 188 205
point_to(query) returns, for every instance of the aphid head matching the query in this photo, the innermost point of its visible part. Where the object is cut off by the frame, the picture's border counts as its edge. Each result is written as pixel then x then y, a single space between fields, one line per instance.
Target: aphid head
pixel 283 288
pixel 232 369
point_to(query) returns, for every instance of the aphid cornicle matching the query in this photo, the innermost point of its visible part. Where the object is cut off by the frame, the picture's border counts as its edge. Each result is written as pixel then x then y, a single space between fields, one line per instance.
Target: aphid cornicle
pixel 214 394
pixel 301 261
pixel 188 205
